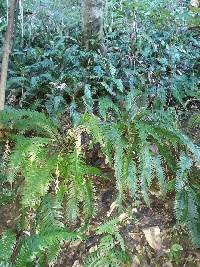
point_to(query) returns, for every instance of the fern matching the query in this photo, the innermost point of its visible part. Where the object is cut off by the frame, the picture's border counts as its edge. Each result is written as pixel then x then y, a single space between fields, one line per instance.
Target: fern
pixel 132 179
pixel 160 174
pixel 36 244
pixel 49 214
pixel 42 160
pixel 25 120
pixel 194 121
pixel 106 105
pixel 111 249
pixel 144 145
pixel 118 165
pixel 7 243
pixel 186 205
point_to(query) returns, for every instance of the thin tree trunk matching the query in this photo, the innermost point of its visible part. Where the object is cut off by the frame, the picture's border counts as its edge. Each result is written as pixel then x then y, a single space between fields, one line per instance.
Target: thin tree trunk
pixel 6 52
pixel 92 21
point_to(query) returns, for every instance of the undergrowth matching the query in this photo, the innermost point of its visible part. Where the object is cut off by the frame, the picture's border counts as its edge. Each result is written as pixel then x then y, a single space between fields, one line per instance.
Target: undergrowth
pixel 128 98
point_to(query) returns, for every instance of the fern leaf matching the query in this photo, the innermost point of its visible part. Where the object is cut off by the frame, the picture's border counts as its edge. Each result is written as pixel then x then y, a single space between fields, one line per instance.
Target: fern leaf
pixel 37 243
pixel 160 174
pixel 7 243
pixel 132 179
pixel 146 171
pixel 118 165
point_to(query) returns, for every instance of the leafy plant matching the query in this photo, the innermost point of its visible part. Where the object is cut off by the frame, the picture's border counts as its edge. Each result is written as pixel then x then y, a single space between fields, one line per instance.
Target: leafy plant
pixel 144 146
pixel 128 97
pixel 111 248
pixel 56 185
pixel 175 253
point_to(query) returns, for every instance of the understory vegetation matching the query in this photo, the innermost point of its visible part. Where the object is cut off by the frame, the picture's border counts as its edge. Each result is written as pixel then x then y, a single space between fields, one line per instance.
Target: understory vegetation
pixel 122 112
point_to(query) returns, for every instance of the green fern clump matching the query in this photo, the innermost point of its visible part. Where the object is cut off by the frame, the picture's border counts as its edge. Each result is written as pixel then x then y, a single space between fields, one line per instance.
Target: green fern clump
pixel 57 186
pixel 56 183
pixel 144 146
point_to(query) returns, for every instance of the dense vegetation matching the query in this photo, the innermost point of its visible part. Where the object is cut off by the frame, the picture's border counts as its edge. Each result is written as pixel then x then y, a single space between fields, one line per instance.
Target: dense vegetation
pixel 119 110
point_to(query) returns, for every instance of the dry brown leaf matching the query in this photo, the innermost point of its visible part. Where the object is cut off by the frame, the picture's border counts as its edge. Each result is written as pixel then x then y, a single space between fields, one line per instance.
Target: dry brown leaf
pixel 153 237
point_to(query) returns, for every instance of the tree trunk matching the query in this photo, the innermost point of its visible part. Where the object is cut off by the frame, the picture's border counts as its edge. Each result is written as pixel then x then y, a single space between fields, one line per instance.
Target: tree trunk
pixel 6 52
pixel 92 21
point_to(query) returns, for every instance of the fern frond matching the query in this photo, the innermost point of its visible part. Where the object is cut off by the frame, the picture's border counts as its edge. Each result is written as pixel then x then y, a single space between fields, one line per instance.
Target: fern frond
pixel 145 171
pixel 115 258
pixel 7 243
pixel 38 175
pixel 91 122
pixel 185 165
pixel 132 179
pixel 24 148
pixel 106 104
pixel 111 249
pixel 118 166
pixel 89 196
pixel 193 217
pixel 194 121
pixel 27 120
pixel 108 227
pixel 49 214
pixel 160 174
pixel 33 245
pixel 72 208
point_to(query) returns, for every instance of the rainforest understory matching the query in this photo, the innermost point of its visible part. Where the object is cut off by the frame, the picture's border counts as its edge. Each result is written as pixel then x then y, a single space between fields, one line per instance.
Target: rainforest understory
pixel 99 133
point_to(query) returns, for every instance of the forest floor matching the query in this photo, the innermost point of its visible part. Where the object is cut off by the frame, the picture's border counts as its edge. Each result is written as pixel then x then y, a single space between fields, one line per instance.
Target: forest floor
pixel 152 236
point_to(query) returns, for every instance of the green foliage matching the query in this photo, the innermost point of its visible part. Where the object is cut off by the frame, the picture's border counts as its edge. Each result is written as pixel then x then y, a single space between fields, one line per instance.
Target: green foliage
pixel 56 184
pixel 111 248
pixel 132 93
pixel 7 243
pixel 187 204
pixel 175 253
pixel 143 144
pixel 158 58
